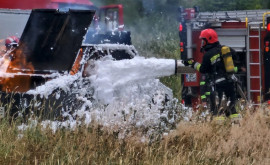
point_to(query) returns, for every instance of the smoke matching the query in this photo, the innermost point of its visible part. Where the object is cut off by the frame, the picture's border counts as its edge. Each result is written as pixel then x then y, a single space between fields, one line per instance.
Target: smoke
pixel 153 25
pixel 4 62
pixel 98 3
pixel 148 5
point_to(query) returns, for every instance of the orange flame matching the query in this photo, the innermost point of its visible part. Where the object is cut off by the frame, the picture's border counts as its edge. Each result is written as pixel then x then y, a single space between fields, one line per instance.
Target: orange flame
pixel 76 66
pixel 18 64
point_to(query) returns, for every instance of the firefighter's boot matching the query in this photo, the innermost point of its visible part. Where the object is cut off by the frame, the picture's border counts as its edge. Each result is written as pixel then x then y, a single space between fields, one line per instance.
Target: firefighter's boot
pixel 235 118
pixel 219 119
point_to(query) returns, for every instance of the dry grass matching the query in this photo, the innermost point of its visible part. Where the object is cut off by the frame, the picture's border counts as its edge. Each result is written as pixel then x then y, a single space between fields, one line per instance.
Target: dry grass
pixel 189 143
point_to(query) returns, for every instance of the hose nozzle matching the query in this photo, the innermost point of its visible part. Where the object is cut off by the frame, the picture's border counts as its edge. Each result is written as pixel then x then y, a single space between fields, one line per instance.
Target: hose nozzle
pixel 180 68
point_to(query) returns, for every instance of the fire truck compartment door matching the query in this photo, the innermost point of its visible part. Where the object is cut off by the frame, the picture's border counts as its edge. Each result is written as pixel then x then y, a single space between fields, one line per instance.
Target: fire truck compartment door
pixel 235 38
pixel 51 39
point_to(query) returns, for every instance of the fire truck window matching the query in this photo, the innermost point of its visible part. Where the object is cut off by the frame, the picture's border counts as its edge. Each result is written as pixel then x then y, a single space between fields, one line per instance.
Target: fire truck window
pixel 108 19
pixel 66 7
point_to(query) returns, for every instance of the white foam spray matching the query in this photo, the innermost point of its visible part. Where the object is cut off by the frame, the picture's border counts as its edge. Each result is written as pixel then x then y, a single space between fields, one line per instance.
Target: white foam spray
pixel 109 75
pixel 126 94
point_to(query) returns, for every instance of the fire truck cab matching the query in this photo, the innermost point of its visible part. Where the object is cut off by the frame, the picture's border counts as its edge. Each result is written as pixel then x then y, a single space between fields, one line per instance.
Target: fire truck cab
pixel 247 32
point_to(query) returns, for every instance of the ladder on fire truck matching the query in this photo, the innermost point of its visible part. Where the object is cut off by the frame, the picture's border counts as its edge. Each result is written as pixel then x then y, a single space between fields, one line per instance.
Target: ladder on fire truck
pixel 222 16
pixel 254 62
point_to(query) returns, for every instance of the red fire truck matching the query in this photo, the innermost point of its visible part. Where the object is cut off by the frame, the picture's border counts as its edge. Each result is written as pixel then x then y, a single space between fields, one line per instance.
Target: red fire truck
pixel 15 13
pixel 247 32
pixel 33 4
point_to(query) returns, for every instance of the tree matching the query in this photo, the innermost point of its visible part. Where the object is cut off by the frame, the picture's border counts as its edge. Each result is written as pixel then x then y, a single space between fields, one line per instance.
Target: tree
pixel 221 5
pixel 268 4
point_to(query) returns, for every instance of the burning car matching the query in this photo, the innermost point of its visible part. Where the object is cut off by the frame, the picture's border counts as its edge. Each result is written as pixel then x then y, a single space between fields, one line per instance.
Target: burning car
pixel 50 45
pixel 52 48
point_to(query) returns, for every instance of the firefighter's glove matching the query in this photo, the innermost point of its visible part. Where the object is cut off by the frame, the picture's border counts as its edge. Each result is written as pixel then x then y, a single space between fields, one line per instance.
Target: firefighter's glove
pixel 189 62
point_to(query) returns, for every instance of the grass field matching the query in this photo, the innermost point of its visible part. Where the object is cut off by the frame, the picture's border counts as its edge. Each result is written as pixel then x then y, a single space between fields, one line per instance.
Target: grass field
pixel 190 143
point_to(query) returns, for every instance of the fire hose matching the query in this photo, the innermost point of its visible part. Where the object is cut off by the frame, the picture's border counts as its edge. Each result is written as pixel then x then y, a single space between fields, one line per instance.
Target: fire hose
pixel 180 68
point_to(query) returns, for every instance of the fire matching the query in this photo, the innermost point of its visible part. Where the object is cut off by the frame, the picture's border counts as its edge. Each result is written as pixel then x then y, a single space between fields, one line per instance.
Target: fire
pixel 76 66
pixel 18 72
pixel 4 61
pixel 2 46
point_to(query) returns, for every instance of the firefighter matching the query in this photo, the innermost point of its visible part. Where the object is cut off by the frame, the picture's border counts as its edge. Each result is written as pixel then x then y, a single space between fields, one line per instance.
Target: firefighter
pixel 11 42
pixel 8 45
pixel 220 81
